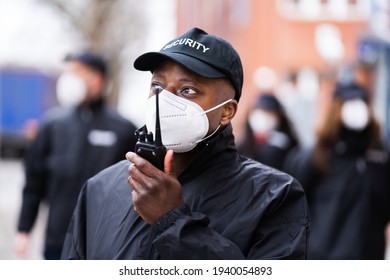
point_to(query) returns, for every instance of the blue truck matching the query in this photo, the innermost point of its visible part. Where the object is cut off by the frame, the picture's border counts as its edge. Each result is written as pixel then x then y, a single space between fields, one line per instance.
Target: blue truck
pixel 25 95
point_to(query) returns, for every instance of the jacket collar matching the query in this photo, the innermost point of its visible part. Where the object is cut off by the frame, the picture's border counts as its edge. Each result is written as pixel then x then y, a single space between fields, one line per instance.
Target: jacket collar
pixel 87 111
pixel 93 106
pixel 220 148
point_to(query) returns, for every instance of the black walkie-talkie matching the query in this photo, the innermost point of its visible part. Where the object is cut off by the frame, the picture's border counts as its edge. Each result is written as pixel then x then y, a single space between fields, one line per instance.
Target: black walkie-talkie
pixel 152 150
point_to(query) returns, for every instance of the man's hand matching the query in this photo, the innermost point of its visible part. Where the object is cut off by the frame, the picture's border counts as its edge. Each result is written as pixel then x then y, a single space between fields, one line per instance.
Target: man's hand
pixel 155 193
pixel 22 243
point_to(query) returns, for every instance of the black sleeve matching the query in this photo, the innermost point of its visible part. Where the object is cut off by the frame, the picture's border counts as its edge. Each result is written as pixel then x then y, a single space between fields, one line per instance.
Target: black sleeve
pixel 35 179
pixel 182 234
pixel 283 232
pixel 74 247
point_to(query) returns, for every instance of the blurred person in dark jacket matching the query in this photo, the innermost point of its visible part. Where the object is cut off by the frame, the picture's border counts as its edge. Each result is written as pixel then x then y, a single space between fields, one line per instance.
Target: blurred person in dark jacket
pixel 207 202
pixel 75 142
pixel 346 178
pixel 269 133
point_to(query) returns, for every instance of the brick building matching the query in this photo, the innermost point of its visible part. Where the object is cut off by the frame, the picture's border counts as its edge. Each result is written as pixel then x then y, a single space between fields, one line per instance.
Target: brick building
pixel 285 35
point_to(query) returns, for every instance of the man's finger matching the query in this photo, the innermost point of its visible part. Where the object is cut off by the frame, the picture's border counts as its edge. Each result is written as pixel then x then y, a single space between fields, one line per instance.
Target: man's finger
pixel 142 164
pixel 168 163
pixel 133 179
pixel 133 198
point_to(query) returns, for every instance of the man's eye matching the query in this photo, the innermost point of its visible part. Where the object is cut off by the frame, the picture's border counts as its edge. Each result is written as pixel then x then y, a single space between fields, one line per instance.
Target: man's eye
pixel 188 91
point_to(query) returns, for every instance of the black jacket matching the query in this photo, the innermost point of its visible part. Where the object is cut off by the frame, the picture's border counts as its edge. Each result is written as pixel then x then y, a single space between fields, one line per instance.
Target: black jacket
pixel 236 208
pixel 349 207
pixel 72 145
pixel 273 151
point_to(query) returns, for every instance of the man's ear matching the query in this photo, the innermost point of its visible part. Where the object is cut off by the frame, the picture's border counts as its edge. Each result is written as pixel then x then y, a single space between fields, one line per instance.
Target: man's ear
pixel 229 110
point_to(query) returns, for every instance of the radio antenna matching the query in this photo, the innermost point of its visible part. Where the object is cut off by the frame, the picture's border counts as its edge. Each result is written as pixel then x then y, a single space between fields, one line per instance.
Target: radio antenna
pixel 158 131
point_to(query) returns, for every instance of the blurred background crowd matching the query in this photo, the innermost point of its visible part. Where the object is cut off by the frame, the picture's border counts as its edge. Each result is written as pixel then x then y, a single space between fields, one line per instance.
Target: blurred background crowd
pixel 294 53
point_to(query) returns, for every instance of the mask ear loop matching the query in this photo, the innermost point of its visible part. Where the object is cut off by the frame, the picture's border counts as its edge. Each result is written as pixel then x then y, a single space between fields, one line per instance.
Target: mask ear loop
pixel 215 107
pixel 209 110
pixel 208 136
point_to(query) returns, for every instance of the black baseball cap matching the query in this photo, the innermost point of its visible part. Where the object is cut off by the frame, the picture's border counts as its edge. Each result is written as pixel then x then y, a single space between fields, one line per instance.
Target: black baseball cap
pixel 269 102
pixel 90 59
pixel 204 54
pixel 352 90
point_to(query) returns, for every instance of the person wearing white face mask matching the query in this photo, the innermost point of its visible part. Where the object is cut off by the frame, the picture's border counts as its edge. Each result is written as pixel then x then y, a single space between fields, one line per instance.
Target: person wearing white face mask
pixel 206 202
pixel 269 133
pixel 71 89
pixel 346 177
pixel 75 141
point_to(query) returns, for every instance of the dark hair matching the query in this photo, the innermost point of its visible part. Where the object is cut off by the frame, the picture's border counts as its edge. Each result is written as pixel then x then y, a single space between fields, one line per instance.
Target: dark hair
pixel 329 133
pixel 91 59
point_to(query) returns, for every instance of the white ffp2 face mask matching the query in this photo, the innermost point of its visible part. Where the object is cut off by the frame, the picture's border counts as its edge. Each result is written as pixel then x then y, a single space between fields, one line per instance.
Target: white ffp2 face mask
pixel 183 123
pixel 71 90
pixel 354 114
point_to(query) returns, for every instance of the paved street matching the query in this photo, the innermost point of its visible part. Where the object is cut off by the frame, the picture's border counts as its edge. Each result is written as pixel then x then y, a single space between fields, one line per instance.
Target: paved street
pixel 11 184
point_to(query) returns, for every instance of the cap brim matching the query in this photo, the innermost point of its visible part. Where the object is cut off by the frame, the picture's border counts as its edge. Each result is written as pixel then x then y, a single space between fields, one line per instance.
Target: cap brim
pixel 149 61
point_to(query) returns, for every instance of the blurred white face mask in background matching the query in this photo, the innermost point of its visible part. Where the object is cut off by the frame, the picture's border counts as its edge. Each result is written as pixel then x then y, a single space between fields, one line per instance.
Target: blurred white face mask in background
pixel 71 90
pixel 354 114
pixel 261 121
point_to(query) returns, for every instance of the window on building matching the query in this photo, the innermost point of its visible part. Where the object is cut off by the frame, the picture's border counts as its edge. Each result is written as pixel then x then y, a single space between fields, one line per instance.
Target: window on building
pixel 330 10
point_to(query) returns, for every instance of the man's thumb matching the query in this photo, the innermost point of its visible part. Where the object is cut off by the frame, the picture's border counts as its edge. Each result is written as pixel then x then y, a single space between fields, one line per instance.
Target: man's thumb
pixel 168 163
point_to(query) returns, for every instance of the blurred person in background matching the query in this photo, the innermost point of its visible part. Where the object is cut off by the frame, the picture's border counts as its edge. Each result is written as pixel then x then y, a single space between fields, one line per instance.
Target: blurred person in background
pixel 269 134
pixel 75 142
pixel 346 178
